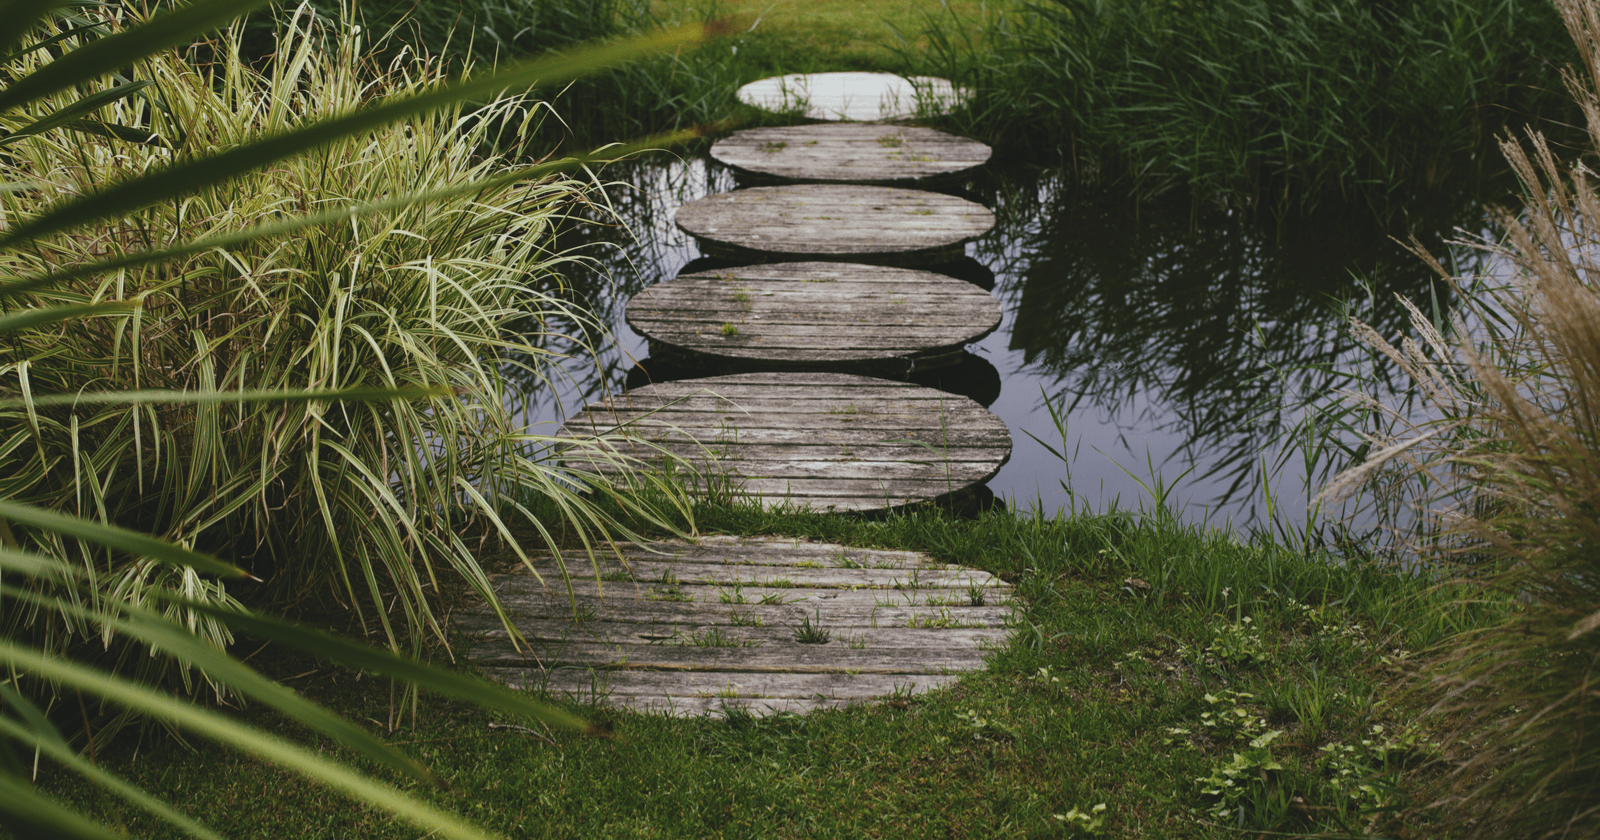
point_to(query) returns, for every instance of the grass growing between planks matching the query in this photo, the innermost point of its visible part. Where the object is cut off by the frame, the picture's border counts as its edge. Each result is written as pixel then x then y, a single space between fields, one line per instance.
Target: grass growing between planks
pixel 1187 681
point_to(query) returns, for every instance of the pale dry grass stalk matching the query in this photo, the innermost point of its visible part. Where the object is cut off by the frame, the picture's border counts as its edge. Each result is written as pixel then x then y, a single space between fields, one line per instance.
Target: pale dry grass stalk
pixel 1509 473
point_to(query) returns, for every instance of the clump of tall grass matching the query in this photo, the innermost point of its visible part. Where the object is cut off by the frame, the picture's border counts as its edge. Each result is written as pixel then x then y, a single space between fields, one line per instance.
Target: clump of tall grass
pixel 1509 469
pixel 372 506
pixel 1273 103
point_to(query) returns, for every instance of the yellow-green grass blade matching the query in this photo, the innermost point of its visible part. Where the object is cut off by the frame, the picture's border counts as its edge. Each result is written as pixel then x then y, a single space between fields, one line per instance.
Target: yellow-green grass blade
pixel 77 110
pixel 415 392
pixel 249 739
pixel 132 542
pixel 163 634
pixel 32 565
pixel 364 657
pixel 105 55
pixel 121 199
pixel 29 813
pixel 69 759
pixel 224 242
pixel 29 318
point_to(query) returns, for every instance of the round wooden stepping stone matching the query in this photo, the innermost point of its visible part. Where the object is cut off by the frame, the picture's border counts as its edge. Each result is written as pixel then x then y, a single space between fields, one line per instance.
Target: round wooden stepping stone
pixel 860 97
pixel 827 441
pixel 813 315
pixel 834 222
pixel 850 153
pixel 722 623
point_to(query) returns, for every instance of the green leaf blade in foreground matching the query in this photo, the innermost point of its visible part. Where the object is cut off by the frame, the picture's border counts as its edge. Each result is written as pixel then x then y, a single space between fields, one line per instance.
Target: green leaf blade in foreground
pixel 211 397
pixel 30 318
pixel 121 199
pixel 607 154
pixel 29 813
pixel 219 728
pixel 133 542
pixel 104 55
pixel 109 781
pixel 356 655
pixel 81 108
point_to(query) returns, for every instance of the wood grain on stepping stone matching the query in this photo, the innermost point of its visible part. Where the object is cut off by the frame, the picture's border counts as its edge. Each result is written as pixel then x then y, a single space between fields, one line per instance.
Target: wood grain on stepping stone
pixel 835 222
pixel 813 315
pixel 850 153
pixel 894 623
pixel 853 95
pixel 826 441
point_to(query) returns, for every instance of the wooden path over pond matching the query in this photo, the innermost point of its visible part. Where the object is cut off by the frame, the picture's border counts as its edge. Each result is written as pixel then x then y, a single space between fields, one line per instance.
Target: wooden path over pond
pixel 851 153
pixel 813 316
pixel 826 441
pixel 764 624
pixel 846 222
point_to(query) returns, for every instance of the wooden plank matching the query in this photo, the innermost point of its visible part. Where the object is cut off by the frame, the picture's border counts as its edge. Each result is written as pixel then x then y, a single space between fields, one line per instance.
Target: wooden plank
pixel 711 422
pixel 616 684
pixel 881 155
pixel 834 222
pixel 793 658
pixel 638 649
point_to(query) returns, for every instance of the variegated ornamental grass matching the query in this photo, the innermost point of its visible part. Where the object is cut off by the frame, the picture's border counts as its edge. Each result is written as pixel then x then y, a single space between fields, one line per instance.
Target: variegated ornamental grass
pixel 365 504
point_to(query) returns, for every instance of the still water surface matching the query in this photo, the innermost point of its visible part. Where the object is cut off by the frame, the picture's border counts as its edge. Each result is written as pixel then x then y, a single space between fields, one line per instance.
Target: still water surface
pixel 1176 340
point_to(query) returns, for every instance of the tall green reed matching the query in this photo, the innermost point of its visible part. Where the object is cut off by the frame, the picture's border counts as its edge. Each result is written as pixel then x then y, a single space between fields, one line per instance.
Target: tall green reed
pixel 1275 104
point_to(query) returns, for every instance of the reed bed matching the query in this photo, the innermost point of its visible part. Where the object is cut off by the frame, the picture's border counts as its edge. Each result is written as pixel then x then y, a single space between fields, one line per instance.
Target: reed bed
pixel 1271 104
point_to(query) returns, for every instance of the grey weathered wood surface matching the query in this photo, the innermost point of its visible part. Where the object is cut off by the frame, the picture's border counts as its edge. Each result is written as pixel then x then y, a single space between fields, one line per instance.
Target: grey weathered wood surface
pixel 851 153
pixel 813 315
pixel 827 441
pixel 897 623
pixel 842 222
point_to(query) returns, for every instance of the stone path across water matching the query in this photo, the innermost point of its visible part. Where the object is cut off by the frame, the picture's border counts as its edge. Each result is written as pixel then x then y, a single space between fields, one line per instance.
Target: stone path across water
pixel 827 441
pixel 766 624
pixel 853 153
pixel 763 624
pixel 813 315
pixel 849 223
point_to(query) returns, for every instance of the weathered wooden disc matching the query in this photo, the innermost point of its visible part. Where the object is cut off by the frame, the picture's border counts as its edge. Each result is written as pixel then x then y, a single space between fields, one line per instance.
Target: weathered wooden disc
pixel 827 441
pixel 689 629
pixel 834 222
pixel 813 316
pixel 850 153
pixel 860 97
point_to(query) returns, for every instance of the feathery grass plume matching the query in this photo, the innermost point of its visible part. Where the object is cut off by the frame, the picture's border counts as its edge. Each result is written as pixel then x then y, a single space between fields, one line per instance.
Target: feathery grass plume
pixel 1510 468
pixel 376 505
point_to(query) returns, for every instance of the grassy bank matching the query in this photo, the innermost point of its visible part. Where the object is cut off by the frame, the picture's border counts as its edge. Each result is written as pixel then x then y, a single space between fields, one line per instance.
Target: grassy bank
pixel 1147 658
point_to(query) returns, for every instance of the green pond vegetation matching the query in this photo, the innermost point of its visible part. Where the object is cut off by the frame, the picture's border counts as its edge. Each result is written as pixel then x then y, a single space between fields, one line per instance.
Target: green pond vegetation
pixel 324 402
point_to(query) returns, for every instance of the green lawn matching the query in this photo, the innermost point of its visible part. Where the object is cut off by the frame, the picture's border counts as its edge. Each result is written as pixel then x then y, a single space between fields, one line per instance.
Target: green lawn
pixel 1146 660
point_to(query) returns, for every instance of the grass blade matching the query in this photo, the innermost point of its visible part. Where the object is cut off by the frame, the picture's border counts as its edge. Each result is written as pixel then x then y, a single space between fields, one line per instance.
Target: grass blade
pixel 133 542
pixel 106 55
pixel 216 726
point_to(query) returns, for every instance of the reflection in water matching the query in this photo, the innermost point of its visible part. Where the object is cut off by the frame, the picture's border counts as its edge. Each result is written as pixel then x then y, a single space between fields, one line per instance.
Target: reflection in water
pixel 1181 339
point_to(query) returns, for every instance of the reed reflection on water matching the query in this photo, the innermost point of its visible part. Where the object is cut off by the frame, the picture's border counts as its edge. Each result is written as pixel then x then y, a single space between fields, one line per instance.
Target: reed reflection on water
pixel 1181 341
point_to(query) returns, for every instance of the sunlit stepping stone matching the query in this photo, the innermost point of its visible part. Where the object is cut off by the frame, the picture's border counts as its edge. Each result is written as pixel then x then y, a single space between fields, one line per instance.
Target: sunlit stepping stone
pixel 849 223
pixel 850 153
pixel 858 97
pixel 824 441
pixel 758 624
pixel 813 316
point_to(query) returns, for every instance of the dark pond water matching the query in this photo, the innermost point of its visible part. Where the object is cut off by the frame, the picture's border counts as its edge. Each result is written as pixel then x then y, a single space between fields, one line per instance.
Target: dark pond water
pixel 1177 341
